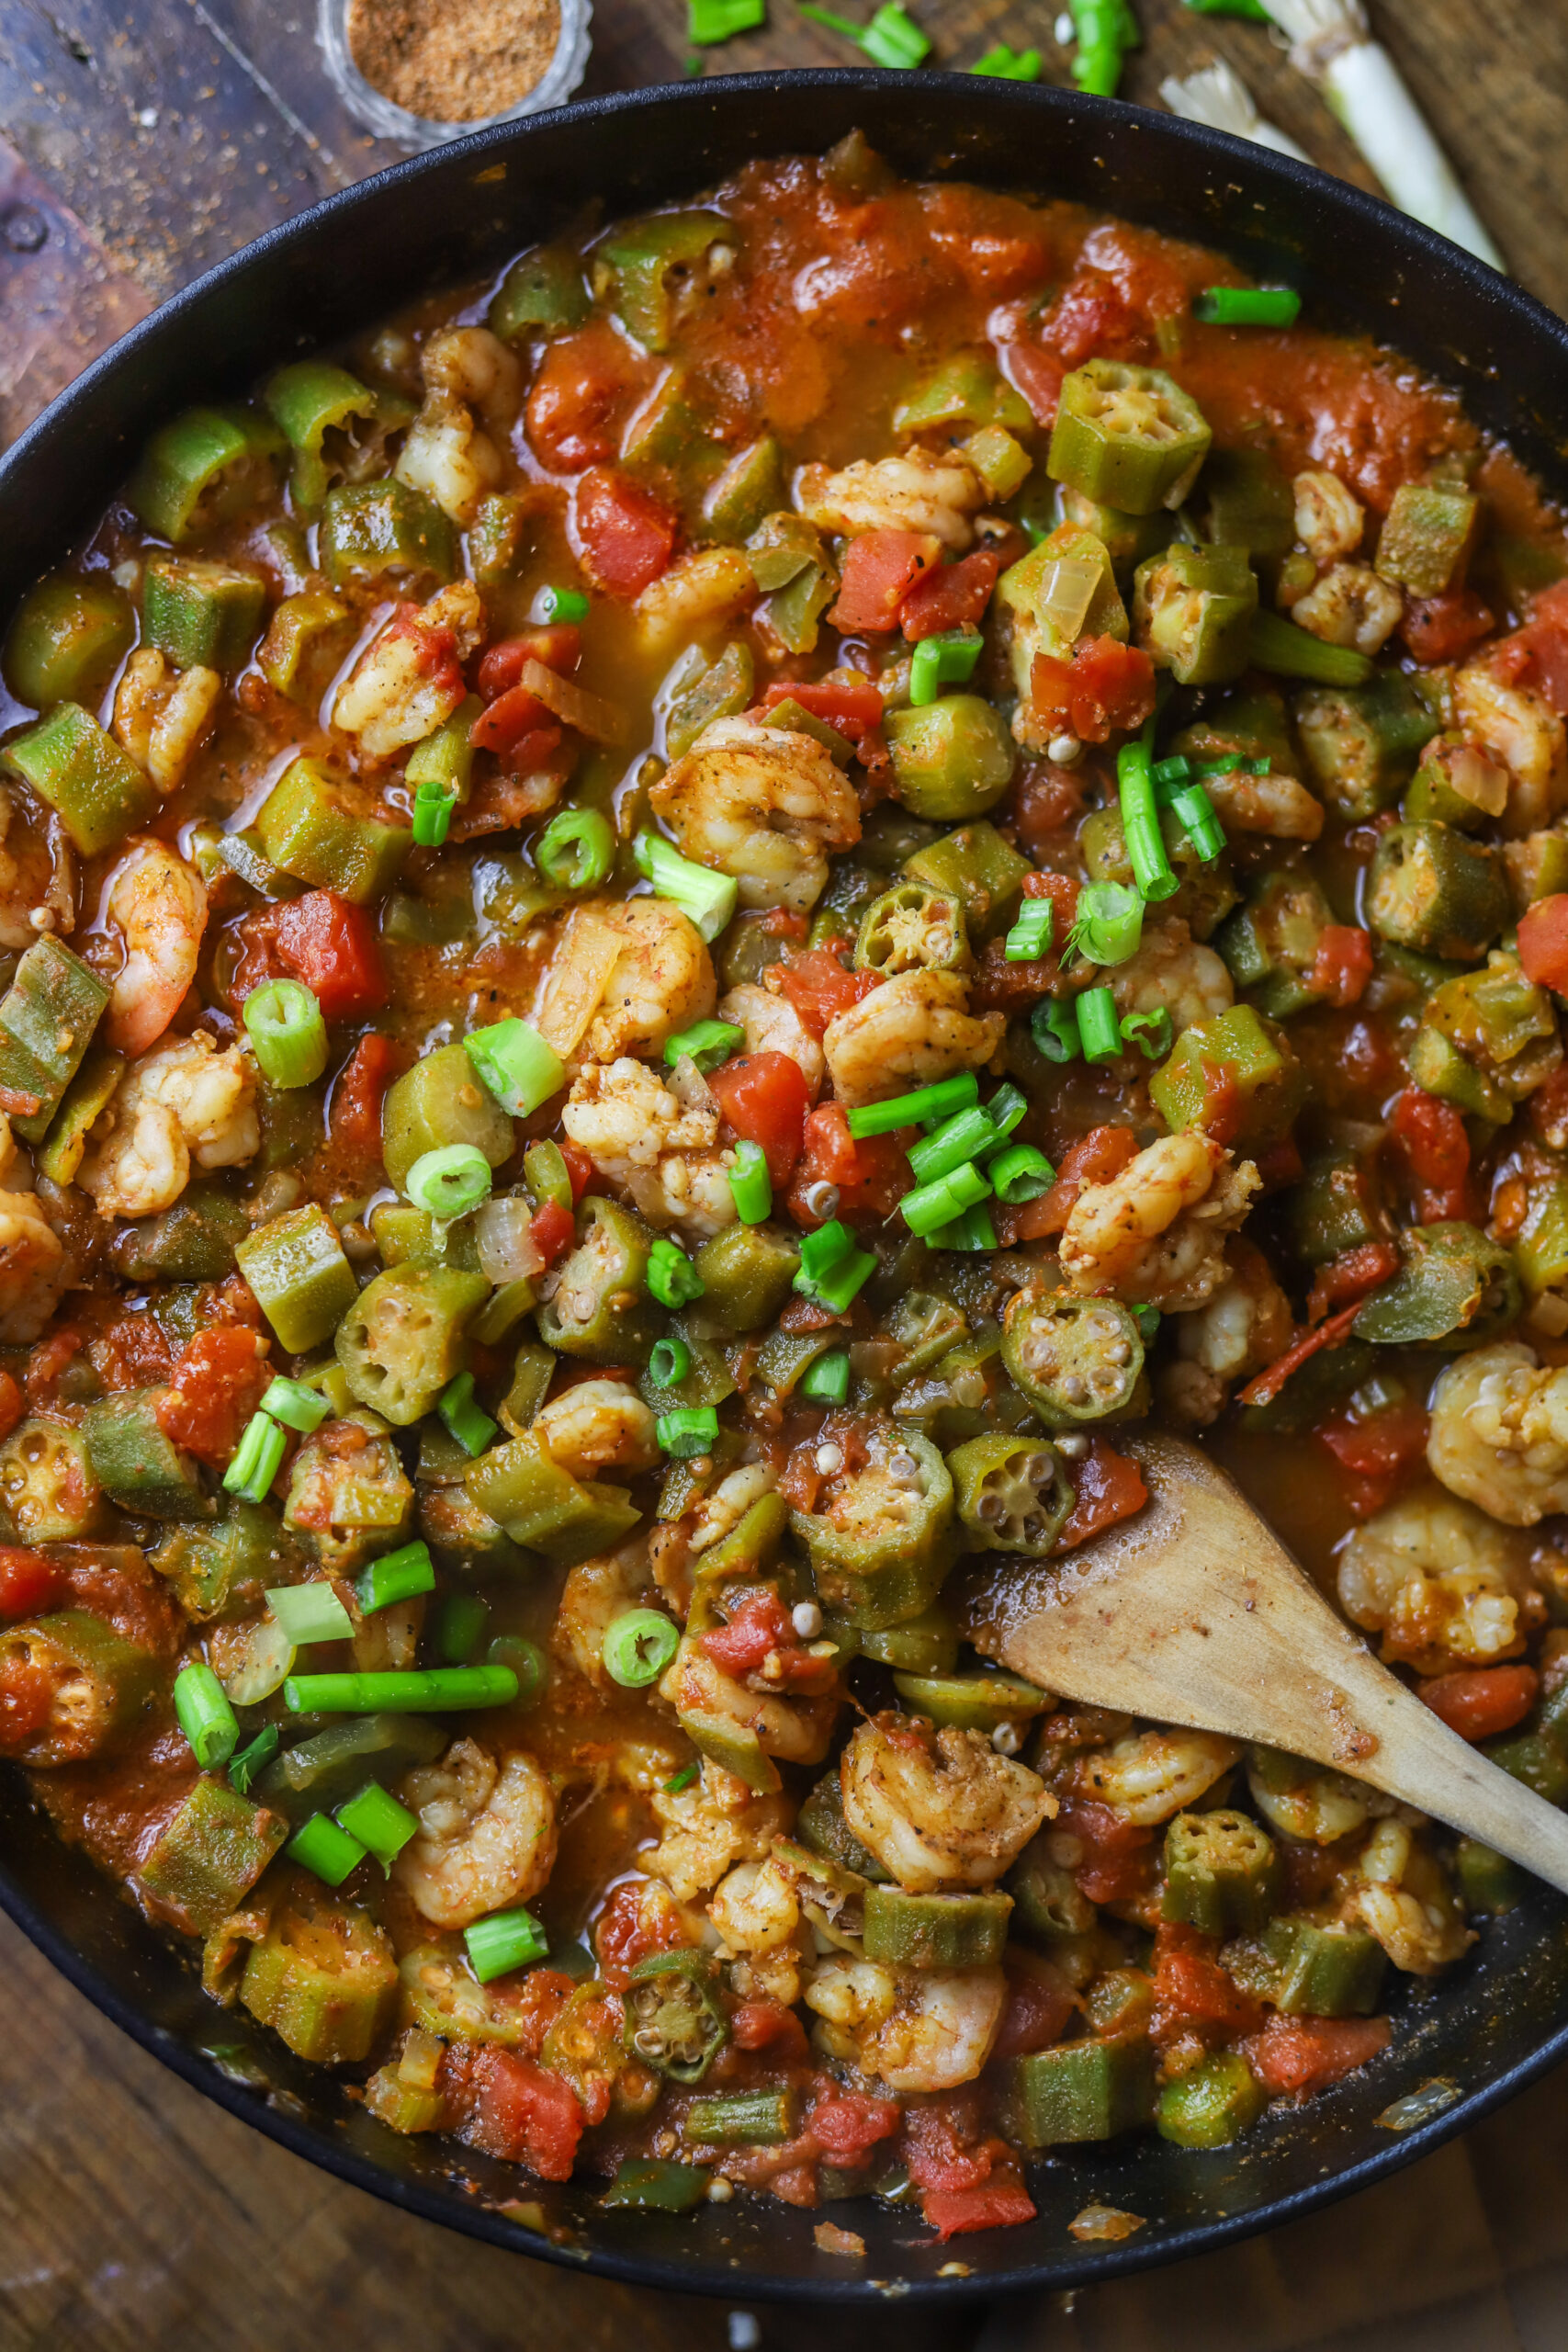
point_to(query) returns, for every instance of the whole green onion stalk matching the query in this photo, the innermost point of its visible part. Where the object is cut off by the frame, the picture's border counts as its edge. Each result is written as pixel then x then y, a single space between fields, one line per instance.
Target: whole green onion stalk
pixel 1331 44
pixel 1219 97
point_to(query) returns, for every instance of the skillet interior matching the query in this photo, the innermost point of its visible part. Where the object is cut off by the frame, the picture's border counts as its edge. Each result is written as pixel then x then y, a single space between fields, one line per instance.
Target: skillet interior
pixel 1501 2018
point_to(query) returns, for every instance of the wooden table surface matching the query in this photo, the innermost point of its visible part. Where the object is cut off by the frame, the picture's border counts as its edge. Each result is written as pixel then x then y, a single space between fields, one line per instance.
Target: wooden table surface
pixel 145 144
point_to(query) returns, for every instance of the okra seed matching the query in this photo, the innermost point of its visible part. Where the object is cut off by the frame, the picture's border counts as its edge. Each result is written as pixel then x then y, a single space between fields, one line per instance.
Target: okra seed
pixel 904 1470
pixel 721 2191
pixel 1037 1469
pixel 1074 1388
pixel 664 2143
pixel 469 1097
pixel 830 1460
pixel 1073 1447
pixel 991 1508
pixel 806 1618
pixel 1119 1353
pixel 1064 749
pixel 42 918
pixel 1006 1739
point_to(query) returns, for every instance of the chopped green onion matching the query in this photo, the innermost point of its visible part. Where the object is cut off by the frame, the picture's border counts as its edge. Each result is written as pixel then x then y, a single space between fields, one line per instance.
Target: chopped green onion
pixel 689 1432
pixel 526 1661
pixel 682 1780
pixel 1098 1025
pixel 1005 64
pixel 449 1183
pixel 1054 1026
pixel 1031 935
pixel 639 1646
pixel 297 1407
pixel 258 1458
pixel 708 1043
pixel 1253 10
pixel 466 1420
pixel 823 1249
pixel 310 1613
pixel 957 1140
pixel 287 1032
pixel 708 21
pixel 507 1939
pixel 1247 306
pixel 516 1065
pixel 1020 1173
pixel 576 850
pixel 707 898
pixel 1140 820
pixel 432 807
pixel 669 1363
pixel 750 1185
pixel 826 1381
pixel 1146 1317
pixel 562 604
pixel 672 1279
pixel 1174 771
pixel 932 1204
pixel 891 38
pixel 1005 1109
pixel 253 1758
pixel 1150 1032
pixel 1195 812
pixel 380 1824
pixel 547 1175
pixel 1105 29
pixel 973 1230
pixel 321 1846
pixel 947 660
pixel 420 1690
pixel 838 1279
pixel 396 1576
pixel 1108 923
pixel 460 1629
pixel 209 1722
pixel 938 1102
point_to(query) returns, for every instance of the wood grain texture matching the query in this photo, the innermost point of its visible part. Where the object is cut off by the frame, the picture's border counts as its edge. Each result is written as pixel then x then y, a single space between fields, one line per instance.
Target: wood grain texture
pixel 61 298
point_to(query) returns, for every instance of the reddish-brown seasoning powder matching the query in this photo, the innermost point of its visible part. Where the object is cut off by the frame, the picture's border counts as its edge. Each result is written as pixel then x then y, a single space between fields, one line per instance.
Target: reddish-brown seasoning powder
pixel 454 61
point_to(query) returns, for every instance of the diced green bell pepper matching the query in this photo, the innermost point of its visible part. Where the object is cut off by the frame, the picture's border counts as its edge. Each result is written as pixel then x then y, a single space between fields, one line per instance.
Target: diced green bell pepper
pixel 1080 2090
pixel 1211 2104
pixel 317 1775
pixel 658 2185
pixel 1360 743
pixel 201 613
pixel 978 867
pixel 309 827
pixel 498 539
pixel 720 689
pixel 652 263
pixel 137 1466
pixel 210 1855
pixel 1336 1205
pixel 195 1241
pixel 953 759
pixel 68 638
pixel 968 389
pixel 1541 1246
pixel 1486 1040
pixel 542 293
pixel 1270 945
pixel 1457 1286
pixel 1261 1064
pixel 1003 464
pixel 95 789
pixel 1426 537
pixel 303 1284
pixel 1192 612
pixel 402 1340
pixel 751 487
pixel 386 539
pixel 207 466
pixel 1432 889
pixel 1488 1882
pixel 47 1019
pixel 1127 435
pixel 323 1978
pixel 1222 1874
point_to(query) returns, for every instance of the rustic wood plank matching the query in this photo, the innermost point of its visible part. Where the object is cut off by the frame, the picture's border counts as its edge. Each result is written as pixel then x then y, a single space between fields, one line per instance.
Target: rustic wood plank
pixel 62 299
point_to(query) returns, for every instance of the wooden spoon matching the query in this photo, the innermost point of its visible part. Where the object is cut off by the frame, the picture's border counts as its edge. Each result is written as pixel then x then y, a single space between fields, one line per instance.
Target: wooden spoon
pixel 1193 1612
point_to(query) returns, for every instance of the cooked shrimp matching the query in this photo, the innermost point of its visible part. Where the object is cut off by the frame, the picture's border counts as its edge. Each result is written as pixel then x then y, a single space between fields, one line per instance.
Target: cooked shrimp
pixel 1274 805
pixel 595 1593
pixel 158 904
pixel 919 492
pixel 1521 729
pixel 1241 1326
pixel 1150 1775
pixel 708 1827
pixel 1442 1583
pixel 408 681
pixel 762 803
pixel 713 1515
pixel 1157 1231
pixel 1304 1801
pixel 1352 604
pixel 795 1729
pixel 623 979
pixel 939 1809
pixel 162 717
pixel 599 1425
pixel 705 588
pixel 1171 968
pixel 1402 1895
pixel 472 365
pixel 1329 518
pixel 30 881
pixel 757 1914
pixel 34 1270
pixel 184 1101
pixel 639 1134
pixel 447 455
pixel 1499 1434
pixel 487 1834
pixel 773 1026
pixel 914 2029
pixel 908 1032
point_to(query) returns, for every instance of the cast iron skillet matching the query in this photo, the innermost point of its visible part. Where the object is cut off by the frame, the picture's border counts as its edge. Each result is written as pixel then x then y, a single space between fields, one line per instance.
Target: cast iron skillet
pixel 1500 2019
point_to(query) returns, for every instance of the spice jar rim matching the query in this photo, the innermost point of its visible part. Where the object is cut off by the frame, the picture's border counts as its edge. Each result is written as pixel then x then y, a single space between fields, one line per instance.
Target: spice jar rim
pixel 385 119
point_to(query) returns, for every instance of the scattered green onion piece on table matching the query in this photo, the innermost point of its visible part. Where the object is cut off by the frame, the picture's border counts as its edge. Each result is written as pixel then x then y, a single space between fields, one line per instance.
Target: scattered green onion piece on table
pixel 938 661
pixel 516 1065
pixel 253 1758
pixel 1109 922
pixel 288 1033
pixel 1020 1173
pixel 639 1646
pixel 297 1407
pixel 209 1722
pixel 310 1613
pixel 827 1381
pixel 420 1690
pixel 687 1432
pixel 892 38
pixel 708 21
pixel 938 1102
pixel 672 1279
pixel 1098 1025
pixel 1152 1033
pixel 931 1205
pixel 432 807
pixel 708 899
pixel 1054 1026
pixel 1005 64
pixel 751 1186
pixel 460 1627
pixel 682 1780
pixel 507 1939
pixel 466 1420
pixel 1152 869
pixel 378 1822
pixel 1031 935
pixel 576 850
pixel 447 1183
pixel 526 1661
pixel 708 1043
pixel 396 1576
pixel 324 1850
pixel 1252 10
pixel 258 1458
pixel 1195 812
pixel 1247 306
pixel 669 1363
pixel 562 604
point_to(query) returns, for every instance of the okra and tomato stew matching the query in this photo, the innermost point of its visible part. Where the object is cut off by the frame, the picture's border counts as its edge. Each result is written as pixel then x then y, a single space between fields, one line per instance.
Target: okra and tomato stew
pixel 673 934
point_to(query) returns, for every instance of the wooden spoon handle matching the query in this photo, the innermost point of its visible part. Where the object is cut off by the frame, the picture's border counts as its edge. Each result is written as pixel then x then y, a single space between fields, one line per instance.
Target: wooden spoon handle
pixel 1421 1760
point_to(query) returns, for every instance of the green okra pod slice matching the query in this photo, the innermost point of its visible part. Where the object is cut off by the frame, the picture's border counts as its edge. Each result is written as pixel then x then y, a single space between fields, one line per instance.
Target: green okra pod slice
pixel 1321 1971
pixel 654 266
pixel 968 389
pixel 385 539
pixel 210 1855
pixel 323 1978
pixel 881 1541
pixel 99 1684
pixel 1488 1882
pixel 95 789
pixel 601 1307
pixel 984 1702
pixel 1261 1064
pixel 137 1466
pixel 1048 1907
pixel 302 1280
pixel 319 1774
pixel 1127 435
pixel 1336 1205
pixel 89 1093
pixel 306 639
pixel 1432 889
pixel 924 1644
pixel 309 827
pixel 222 1568
pixel 207 466
pixel 953 758
pixel 658 2185
pixel 1427 536
pixel 543 1507
pixel 1486 1040
pixel 1250 504
pixel 912 928
pixel 1222 1874
pixel 1210 2105
pixel 966 1930
pixel 1360 743
pixel 402 1339
pixel 69 636
pixel 743 2119
pixel 48 1491
pixel 441 1101
pixel 1076 1360
pixel 201 613
pixel 1541 1247
pixel 974 865
pixel 47 1019
pixel 1192 611
pixel 542 293
pixel 1012 1493
pixel 1081 2090
pixel 747 1273
pixel 1457 783
pixel 675 2019
pixel 321 408
pixel 822 1829
pixel 1457 1287
pixel 750 488
pixel 1270 946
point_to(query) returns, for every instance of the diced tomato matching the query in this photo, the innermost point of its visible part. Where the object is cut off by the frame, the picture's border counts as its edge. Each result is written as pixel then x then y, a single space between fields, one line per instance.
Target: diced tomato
pixel 1001 2203
pixel 1429 1135
pixel 820 987
pixel 761 1623
pixel 558 647
pixel 880 568
pixel 332 947
pixel 1440 628
pixel 27 1582
pixel 1118 1861
pixel 1039 2004
pixel 955 596
pixel 46 1363
pixel 502 725
pixel 1344 963
pixel 1483 1701
pixel 585 384
pixel 1095 1159
pixel 783 923
pixel 579 1167
pixel 353 1116
pixel 871 1176
pixel 631 1926
pixel 532 754
pixel 626 534
pixel 1091 319
pixel 847 2124
pixel 1543 942
pixel 1306 2055
pixel 768 2025
pixel 1351 1275
pixel 134 1352
pixel 1047 800
pixel 765 1098
pixel 1192 1992
pixel 1105 689
pixel 1107 1486
pixel 1038 374
pixel 853 705
pixel 1001 986
pixel 944 2147
pixel 1330 1334
pixel 1383 1444
pixel 1281 1164
pixel 214 1389
pixel 523 2114
pixel 12 1403
pixel 552 1229
pixel 1536 655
